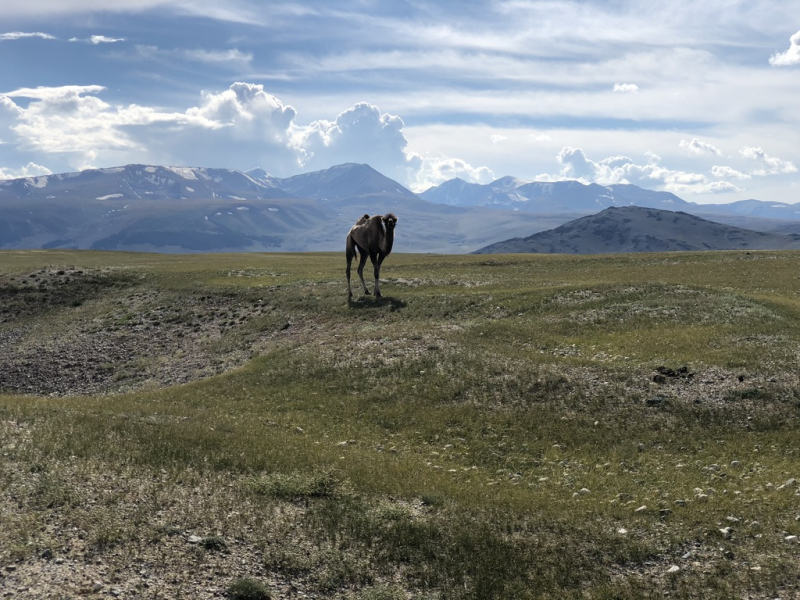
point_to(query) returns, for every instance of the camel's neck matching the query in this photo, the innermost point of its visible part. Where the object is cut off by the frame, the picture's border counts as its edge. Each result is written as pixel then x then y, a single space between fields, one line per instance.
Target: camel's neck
pixel 387 242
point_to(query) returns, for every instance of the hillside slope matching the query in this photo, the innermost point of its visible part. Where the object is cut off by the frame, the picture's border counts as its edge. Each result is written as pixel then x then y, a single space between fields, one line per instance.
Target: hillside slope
pixel 637 229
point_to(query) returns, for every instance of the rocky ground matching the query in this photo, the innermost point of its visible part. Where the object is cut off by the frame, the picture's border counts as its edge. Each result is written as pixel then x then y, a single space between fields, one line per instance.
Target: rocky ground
pixel 65 331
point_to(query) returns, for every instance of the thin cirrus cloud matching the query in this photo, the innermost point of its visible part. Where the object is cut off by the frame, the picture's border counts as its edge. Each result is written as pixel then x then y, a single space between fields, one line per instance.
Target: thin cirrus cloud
pixel 218 57
pixel 98 39
pixel 19 35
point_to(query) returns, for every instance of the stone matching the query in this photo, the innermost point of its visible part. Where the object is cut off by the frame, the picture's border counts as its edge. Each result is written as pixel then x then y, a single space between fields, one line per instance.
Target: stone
pixel 584 491
pixel 792 539
pixel 641 509
pixel 674 569
pixel 726 532
pixel 194 539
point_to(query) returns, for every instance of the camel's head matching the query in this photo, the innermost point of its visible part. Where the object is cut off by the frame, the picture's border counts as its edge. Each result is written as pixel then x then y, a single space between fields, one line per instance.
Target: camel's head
pixel 390 220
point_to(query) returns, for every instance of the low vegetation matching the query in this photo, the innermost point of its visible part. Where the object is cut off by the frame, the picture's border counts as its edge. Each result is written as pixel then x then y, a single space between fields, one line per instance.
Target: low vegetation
pixel 493 427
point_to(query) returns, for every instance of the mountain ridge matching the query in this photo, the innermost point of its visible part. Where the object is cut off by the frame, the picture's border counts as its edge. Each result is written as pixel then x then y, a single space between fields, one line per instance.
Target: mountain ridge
pixel 641 229
pixel 196 209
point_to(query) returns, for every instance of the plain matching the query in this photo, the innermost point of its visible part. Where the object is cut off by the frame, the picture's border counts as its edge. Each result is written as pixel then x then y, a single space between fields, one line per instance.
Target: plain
pixel 513 426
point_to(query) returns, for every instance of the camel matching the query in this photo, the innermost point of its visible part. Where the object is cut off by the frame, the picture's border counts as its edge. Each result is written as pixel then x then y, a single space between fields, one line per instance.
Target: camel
pixel 373 237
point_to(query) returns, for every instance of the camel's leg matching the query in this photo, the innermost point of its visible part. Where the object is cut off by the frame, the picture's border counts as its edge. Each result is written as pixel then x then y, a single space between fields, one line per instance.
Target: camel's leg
pixel 361 263
pixel 350 252
pixel 376 262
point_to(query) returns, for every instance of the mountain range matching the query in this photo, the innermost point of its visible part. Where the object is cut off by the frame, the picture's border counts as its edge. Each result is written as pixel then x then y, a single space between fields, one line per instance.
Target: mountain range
pixel 184 209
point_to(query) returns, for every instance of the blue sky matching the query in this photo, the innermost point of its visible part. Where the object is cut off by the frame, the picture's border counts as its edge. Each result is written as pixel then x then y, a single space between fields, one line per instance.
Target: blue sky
pixel 697 98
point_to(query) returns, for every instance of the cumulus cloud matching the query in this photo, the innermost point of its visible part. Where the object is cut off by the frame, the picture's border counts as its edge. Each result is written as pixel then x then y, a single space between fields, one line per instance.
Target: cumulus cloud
pixel 359 134
pixel 72 119
pixel 622 169
pixel 29 170
pixel 791 56
pixel 18 35
pixel 243 104
pixel 241 127
pixel 437 170
pixel 575 165
pixel 728 173
pixel 699 148
pixel 769 164
pixel 626 88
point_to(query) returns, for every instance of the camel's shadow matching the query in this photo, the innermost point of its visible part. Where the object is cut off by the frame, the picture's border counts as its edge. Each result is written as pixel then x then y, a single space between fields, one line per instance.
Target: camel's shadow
pixel 367 302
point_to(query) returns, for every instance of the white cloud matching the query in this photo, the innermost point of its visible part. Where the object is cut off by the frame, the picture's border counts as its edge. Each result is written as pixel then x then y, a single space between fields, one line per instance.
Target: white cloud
pixel 97 39
pixel 222 56
pixel 621 169
pixel 575 165
pixel 244 125
pixel 791 56
pixel 359 134
pixel 728 173
pixel 17 35
pixel 769 165
pixel 244 104
pixel 72 121
pixel 699 148
pixel 626 88
pixel 205 56
pixel 237 12
pixel 29 170
pixel 497 138
pixel 437 170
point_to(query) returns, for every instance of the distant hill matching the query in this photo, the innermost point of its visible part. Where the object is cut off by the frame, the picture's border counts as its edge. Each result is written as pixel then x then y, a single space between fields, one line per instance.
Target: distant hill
pixel 638 229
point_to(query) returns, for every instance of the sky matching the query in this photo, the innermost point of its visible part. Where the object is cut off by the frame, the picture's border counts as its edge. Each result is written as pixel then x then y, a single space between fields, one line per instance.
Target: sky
pixel 701 99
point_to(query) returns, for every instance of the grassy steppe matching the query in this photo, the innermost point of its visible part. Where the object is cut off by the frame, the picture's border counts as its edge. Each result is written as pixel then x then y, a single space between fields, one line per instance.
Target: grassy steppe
pixel 494 427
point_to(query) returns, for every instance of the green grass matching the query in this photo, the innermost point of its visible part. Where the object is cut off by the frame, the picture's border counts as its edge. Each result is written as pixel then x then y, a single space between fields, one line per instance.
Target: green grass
pixel 489 429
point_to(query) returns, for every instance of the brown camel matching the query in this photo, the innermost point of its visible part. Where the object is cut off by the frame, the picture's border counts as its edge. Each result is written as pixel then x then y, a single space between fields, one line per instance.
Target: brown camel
pixel 373 237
